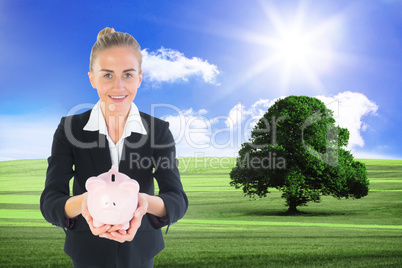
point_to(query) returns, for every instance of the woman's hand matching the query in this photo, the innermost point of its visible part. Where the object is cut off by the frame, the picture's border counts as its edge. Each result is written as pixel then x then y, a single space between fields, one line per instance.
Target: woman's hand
pixel 114 232
pixel 85 213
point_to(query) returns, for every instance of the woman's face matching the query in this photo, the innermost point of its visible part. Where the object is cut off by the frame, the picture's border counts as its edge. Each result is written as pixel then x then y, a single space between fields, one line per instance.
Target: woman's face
pixel 116 76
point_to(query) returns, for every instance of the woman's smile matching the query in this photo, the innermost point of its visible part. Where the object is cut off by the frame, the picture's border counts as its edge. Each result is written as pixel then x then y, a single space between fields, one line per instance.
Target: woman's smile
pixel 118 98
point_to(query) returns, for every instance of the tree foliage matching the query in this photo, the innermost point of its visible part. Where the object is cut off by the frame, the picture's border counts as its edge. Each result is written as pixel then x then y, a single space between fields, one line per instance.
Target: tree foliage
pixel 297 148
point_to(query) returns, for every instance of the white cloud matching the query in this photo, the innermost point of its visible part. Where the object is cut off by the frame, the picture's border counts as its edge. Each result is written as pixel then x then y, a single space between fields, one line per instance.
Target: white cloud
pixel 260 107
pixel 26 137
pixel 349 109
pixel 193 132
pixel 169 65
pixel 238 114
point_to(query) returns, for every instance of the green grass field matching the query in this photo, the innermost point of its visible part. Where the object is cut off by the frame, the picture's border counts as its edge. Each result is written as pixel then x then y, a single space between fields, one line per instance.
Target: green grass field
pixel 222 228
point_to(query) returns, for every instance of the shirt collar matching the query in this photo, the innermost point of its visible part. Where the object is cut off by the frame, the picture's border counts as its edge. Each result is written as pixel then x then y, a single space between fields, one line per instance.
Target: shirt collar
pixel 97 121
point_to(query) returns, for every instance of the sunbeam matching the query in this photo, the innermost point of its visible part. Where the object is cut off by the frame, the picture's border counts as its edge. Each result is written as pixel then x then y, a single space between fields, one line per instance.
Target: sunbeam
pixel 298 52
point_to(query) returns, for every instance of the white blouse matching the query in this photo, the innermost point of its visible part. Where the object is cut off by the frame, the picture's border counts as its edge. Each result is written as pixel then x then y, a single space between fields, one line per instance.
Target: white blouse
pixel 134 124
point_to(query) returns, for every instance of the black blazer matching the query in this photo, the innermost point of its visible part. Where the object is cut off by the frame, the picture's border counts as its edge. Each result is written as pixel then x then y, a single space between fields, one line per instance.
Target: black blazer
pixel 82 154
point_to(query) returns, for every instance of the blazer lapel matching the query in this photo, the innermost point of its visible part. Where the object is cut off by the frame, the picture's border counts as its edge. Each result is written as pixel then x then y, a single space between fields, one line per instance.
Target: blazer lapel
pixel 100 153
pixel 133 150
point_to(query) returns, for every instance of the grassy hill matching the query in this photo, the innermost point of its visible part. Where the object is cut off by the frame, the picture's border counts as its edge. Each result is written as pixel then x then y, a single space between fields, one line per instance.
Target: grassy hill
pixel 222 228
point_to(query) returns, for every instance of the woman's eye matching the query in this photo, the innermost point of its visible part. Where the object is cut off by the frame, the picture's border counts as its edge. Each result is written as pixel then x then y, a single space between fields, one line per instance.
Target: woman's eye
pixel 107 76
pixel 128 75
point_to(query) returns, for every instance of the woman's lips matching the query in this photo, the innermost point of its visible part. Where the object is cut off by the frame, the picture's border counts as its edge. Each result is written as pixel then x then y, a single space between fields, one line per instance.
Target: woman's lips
pixel 118 98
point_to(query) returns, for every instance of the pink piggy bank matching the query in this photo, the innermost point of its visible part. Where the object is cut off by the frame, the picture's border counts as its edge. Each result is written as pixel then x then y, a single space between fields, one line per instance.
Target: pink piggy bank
pixel 112 198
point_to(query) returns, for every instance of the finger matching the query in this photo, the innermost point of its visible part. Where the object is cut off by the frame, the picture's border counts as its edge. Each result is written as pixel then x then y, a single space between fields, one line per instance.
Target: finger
pixel 98 230
pixel 89 220
pixel 122 231
pixel 122 238
pixel 135 223
pixel 87 216
pixel 140 212
pixel 102 229
pixel 115 228
pixel 142 203
pixel 84 206
pixel 112 236
pixel 107 235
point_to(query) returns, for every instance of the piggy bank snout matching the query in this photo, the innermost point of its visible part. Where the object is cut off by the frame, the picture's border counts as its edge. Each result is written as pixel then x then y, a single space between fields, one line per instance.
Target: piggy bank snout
pixel 107 202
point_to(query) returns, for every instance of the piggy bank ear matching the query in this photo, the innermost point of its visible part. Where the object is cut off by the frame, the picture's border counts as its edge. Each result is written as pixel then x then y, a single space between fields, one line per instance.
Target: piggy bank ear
pixel 130 185
pixel 93 183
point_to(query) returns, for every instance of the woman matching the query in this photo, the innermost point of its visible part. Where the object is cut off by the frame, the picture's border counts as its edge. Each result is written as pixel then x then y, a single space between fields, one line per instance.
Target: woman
pixel 113 132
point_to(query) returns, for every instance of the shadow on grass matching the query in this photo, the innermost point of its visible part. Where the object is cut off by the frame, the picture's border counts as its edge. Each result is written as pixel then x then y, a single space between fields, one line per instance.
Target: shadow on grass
pixel 299 213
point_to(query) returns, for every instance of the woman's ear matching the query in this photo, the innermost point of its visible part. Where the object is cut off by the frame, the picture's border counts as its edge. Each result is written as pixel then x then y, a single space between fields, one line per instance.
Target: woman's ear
pixel 92 79
pixel 140 78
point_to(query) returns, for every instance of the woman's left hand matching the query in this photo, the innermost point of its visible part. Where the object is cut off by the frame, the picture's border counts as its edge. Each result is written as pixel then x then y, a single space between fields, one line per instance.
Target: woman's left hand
pixel 128 235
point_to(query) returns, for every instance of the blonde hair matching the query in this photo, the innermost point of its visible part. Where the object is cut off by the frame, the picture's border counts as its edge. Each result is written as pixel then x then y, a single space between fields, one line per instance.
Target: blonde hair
pixel 108 38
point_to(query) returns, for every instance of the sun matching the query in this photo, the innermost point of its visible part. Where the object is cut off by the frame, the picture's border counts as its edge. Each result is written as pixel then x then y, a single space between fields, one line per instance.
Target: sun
pixel 294 48
pixel 298 51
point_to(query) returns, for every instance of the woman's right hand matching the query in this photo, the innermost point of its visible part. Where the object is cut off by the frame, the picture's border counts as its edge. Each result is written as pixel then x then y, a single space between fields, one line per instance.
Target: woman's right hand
pixel 95 230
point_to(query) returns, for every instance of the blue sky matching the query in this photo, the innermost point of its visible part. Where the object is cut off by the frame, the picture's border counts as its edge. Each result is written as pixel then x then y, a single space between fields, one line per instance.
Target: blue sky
pixel 211 67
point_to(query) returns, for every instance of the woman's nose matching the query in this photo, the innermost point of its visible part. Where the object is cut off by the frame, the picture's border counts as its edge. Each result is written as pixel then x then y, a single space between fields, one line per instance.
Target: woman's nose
pixel 119 84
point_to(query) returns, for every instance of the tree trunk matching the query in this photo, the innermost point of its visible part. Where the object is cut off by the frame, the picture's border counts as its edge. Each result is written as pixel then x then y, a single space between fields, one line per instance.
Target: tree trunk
pixel 292 207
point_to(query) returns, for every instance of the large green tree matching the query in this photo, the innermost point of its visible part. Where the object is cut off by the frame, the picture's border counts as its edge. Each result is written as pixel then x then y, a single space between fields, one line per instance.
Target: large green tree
pixel 297 148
